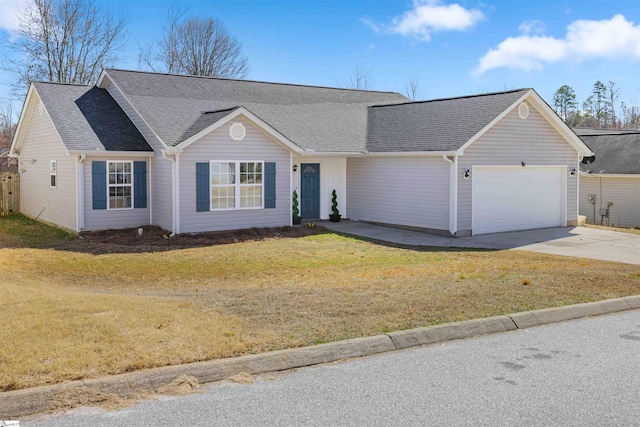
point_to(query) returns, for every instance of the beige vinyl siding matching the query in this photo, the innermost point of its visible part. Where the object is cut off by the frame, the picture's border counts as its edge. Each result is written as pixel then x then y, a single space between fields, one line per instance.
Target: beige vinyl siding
pixel 333 175
pixel 510 142
pixel 160 188
pixel 407 191
pixel 623 192
pixel 41 145
pixel 105 219
pixel 217 145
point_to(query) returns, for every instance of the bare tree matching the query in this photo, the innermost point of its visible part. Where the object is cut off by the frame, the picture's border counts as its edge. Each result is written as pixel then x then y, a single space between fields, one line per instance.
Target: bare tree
pixel 7 130
pixel 67 41
pixel 360 79
pixel 196 46
pixel 612 97
pixel 412 88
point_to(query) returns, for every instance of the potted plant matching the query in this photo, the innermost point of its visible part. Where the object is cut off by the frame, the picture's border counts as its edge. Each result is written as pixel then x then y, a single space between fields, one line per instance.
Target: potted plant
pixel 335 215
pixel 296 212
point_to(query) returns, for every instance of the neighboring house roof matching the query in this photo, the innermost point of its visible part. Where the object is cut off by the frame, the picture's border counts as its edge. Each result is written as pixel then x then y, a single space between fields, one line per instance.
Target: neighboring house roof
pixel 88 119
pixel 616 153
pixel 437 125
pixel 314 118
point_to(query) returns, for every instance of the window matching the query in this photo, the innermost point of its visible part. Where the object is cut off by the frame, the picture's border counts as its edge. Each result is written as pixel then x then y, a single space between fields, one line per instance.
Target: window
pixel 53 173
pixel 236 185
pixel 120 185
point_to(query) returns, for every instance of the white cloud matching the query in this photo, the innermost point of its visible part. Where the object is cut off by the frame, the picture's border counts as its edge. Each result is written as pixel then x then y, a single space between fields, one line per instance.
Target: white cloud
pixel 584 40
pixel 532 27
pixel 428 17
pixel 9 13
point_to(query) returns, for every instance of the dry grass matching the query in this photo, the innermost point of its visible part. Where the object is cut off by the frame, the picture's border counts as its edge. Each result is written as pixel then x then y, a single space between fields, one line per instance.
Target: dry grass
pixel 70 315
pixel 618 229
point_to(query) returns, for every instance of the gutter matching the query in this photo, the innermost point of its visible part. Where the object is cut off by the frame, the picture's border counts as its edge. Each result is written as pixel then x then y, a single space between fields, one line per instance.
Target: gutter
pixel 453 193
pixel 175 186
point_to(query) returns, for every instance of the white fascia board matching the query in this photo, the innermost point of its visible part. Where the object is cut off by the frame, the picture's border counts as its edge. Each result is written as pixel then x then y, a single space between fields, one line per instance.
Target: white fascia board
pixel 25 109
pixel 106 154
pixel 253 119
pixel 104 75
pixel 103 80
pixel 563 129
pixel 19 128
pixel 552 118
pixel 411 154
pixel 328 154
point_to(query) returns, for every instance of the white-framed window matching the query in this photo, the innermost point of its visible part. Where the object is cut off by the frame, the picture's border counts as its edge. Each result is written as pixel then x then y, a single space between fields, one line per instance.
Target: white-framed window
pixel 237 185
pixel 120 184
pixel 53 173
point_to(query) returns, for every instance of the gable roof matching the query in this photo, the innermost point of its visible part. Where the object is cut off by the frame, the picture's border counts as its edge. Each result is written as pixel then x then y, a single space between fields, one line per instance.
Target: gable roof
pixel 436 125
pixel 314 118
pixel 88 119
pixel 616 153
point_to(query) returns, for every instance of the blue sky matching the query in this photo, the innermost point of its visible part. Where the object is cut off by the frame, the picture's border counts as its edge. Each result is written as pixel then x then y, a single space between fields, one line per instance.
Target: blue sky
pixel 453 47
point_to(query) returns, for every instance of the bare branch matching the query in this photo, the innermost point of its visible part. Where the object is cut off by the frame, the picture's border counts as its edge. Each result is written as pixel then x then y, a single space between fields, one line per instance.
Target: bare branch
pixel 66 41
pixel 412 88
pixel 196 46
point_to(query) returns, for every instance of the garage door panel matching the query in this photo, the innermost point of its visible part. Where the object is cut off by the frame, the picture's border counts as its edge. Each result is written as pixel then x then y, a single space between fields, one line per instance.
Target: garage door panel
pixel 506 199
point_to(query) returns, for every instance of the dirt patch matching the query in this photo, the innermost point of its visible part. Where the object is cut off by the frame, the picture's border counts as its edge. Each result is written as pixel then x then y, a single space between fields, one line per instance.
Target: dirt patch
pixel 154 239
pixel 73 397
pixel 242 378
pixel 184 384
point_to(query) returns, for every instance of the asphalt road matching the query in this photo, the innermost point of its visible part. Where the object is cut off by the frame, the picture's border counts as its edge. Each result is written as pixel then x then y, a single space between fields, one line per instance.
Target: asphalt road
pixel 579 373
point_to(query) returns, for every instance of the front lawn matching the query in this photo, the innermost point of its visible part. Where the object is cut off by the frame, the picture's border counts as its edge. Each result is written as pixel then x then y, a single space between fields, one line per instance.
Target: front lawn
pixel 69 314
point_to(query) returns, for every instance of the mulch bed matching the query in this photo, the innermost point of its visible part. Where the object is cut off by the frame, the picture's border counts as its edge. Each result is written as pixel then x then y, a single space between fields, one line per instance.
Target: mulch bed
pixel 154 239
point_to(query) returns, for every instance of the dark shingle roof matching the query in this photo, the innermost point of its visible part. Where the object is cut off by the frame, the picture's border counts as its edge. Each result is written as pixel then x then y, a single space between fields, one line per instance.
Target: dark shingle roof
pixel 314 118
pixel 88 119
pixel 438 125
pixel 617 153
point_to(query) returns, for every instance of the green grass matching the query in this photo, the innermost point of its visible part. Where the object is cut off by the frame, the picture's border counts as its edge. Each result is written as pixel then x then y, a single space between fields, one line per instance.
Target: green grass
pixel 18 230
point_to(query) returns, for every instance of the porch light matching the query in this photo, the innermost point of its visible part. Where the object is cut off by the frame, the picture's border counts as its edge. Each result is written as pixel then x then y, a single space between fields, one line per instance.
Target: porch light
pixel 295 168
pixel 573 171
pixel 523 164
pixel 467 174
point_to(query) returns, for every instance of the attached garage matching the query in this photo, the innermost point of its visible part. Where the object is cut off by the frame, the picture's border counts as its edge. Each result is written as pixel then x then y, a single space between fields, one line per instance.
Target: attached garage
pixel 507 198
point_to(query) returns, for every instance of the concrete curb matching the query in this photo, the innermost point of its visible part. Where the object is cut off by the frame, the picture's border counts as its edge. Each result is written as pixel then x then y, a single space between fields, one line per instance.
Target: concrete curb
pixel 30 401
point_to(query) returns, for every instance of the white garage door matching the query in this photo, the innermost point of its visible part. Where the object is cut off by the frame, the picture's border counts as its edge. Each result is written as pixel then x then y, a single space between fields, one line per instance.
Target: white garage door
pixel 517 198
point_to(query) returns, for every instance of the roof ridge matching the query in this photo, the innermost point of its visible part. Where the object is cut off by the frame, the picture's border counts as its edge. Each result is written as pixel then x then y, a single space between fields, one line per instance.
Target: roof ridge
pixel 252 81
pixel 455 97
pixel 62 83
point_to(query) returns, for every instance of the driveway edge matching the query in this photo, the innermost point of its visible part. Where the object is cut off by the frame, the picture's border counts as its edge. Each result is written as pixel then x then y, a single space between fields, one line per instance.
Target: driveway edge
pixel 30 401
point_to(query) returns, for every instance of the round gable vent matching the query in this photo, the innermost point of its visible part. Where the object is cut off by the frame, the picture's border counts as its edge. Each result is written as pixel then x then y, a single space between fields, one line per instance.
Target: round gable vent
pixel 523 110
pixel 237 131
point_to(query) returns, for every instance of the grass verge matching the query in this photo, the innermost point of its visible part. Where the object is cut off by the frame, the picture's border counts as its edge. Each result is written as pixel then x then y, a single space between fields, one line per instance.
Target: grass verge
pixel 71 315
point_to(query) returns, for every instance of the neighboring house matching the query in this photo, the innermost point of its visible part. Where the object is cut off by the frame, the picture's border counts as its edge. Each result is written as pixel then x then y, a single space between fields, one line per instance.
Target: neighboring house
pixel 610 184
pixel 193 154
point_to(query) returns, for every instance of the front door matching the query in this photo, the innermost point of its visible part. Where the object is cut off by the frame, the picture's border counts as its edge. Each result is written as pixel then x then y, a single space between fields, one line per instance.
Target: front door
pixel 310 191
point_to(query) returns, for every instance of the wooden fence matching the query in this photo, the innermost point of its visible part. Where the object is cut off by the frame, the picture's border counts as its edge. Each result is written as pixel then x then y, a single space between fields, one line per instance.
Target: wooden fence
pixel 9 193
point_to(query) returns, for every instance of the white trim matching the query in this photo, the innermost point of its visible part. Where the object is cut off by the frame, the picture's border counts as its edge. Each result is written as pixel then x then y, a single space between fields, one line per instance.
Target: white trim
pixel 249 116
pixel 126 98
pixel 407 154
pixel 237 185
pixel 453 194
pixel 552 118
pixel 80 192
pixel 149 190
pixel 177 195
pixel 112 154
pixel 21 120
pixel 130 185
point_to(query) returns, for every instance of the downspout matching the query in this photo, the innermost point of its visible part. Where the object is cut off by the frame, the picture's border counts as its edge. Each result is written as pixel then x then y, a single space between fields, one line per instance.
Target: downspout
pixel 150 191
pixel 177 195
pixel 165 155
pixel 453 193
pixel 80 193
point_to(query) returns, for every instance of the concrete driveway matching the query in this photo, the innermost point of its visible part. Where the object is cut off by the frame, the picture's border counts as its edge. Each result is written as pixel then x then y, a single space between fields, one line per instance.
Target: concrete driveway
pixel 582 242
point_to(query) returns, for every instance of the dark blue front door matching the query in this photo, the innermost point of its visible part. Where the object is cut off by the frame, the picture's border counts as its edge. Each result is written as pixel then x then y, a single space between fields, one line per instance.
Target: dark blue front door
pixel 310 191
